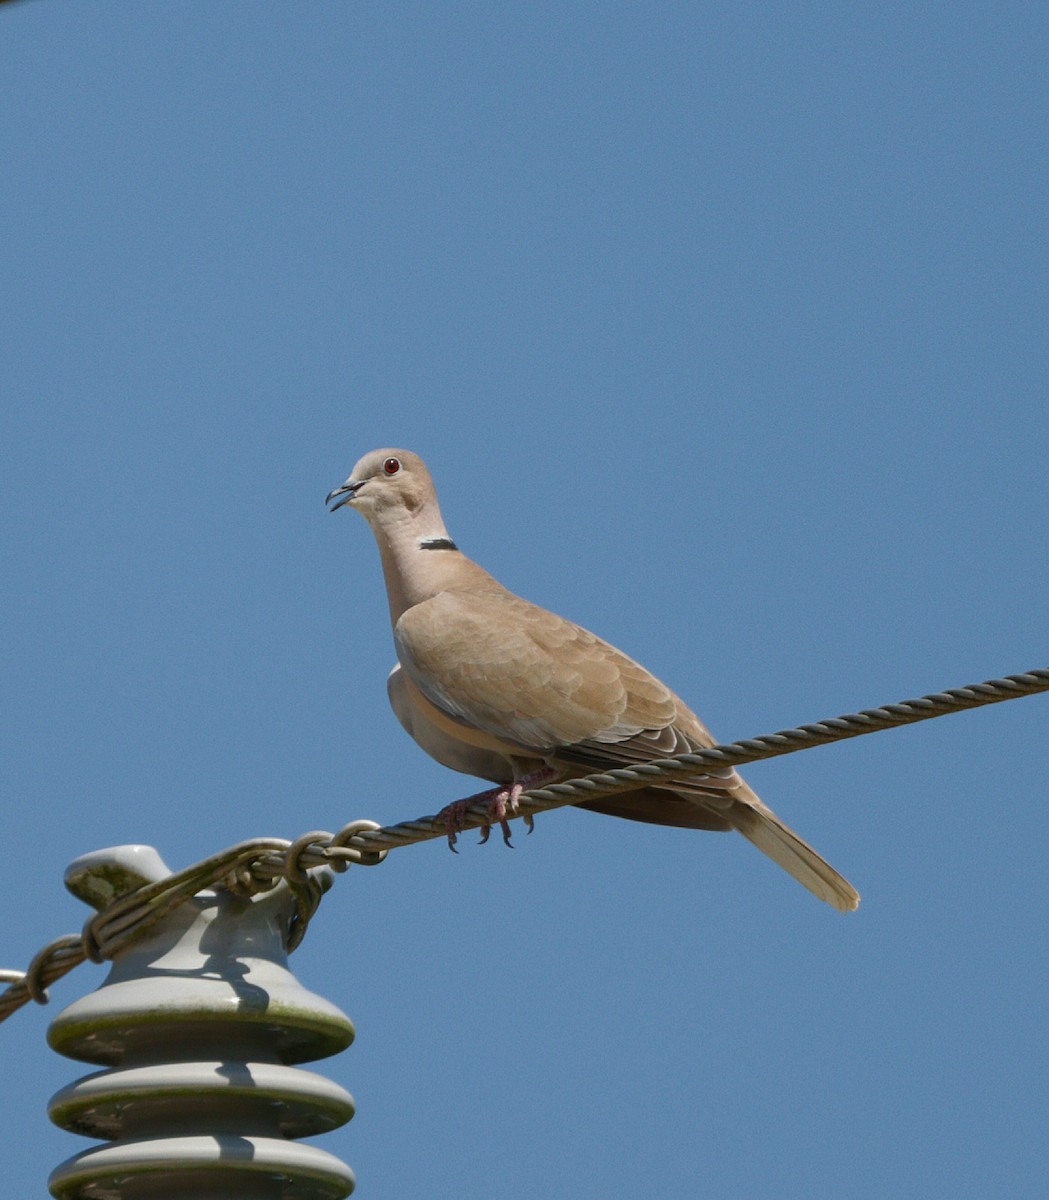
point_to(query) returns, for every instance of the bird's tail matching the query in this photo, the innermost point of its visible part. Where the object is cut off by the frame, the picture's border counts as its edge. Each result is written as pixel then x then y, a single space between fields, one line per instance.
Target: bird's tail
pixel 760 825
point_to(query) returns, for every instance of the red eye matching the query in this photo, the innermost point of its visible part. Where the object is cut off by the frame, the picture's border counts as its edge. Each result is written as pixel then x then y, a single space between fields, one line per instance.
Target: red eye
pixel 391 466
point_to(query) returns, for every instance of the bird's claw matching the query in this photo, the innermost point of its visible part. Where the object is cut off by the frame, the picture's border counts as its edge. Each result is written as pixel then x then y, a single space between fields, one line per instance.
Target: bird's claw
pixel 453 816
pixel 503 803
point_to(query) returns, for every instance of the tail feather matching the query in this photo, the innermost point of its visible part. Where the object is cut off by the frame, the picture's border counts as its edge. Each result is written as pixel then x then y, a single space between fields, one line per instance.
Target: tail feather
pixel 760 825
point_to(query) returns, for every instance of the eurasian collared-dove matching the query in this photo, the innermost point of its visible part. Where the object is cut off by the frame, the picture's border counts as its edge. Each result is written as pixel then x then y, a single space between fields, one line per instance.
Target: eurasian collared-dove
pixel 494 686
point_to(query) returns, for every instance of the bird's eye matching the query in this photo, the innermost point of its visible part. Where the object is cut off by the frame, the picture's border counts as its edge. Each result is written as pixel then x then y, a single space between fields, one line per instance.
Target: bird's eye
pixel 391 466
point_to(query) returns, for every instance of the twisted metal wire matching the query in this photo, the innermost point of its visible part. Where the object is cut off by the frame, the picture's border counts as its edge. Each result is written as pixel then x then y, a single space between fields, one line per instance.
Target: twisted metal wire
pixel 261 863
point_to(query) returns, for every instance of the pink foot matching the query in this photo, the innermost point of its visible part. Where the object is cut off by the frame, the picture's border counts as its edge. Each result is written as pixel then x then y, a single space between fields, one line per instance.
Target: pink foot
pixel 503 804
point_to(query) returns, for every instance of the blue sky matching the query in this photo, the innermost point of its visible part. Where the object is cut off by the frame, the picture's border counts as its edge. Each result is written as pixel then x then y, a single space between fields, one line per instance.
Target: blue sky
pixel 723 330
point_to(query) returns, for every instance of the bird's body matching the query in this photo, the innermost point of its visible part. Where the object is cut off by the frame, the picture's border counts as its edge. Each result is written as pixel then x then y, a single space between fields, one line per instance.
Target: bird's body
pixel 492 685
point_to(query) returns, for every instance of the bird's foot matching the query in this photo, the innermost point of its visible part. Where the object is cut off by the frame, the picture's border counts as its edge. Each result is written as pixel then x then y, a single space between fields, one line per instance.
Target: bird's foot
pixel 503 804
pixel 454 817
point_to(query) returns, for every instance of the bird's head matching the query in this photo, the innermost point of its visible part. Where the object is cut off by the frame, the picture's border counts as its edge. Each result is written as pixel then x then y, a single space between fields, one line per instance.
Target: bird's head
pixel 386 486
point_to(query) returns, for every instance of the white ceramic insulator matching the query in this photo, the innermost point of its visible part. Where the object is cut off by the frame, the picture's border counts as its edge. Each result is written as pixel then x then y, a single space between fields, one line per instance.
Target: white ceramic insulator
pixel 198 1026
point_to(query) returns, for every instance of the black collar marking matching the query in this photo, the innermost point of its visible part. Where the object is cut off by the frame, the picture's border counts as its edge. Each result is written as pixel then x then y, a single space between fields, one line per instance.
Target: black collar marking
pixel 438 543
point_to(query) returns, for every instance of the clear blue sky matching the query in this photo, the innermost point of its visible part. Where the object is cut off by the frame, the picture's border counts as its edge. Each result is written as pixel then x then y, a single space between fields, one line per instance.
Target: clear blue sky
pixel 723 329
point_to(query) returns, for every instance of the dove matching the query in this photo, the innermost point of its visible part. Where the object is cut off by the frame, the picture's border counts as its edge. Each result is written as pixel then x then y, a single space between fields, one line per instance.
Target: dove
pixel 492 685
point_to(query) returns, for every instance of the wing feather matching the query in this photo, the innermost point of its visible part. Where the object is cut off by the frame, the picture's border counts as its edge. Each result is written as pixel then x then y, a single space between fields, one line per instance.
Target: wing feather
pixel 499 663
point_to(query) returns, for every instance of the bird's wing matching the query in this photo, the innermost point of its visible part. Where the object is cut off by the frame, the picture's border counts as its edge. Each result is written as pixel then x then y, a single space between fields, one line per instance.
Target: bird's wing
pixel 543 685
pixel 498 663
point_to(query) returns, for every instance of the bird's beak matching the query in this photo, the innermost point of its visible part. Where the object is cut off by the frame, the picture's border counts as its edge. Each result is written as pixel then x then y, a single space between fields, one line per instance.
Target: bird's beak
pixel 347 491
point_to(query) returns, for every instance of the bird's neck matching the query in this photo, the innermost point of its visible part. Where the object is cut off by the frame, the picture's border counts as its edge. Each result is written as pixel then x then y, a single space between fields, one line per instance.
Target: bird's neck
pixel 419 560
